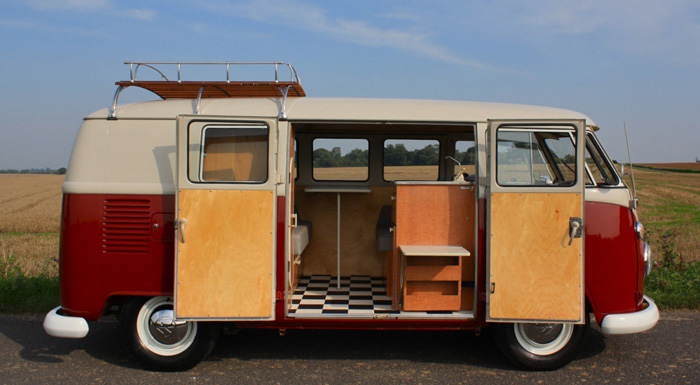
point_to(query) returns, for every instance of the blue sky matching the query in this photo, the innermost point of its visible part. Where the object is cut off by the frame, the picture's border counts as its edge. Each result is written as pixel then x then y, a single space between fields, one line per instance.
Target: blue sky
pixel 628 61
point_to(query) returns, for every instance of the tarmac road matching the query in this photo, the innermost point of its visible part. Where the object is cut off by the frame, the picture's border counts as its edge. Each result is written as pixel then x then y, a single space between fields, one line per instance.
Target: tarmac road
pixel 667 354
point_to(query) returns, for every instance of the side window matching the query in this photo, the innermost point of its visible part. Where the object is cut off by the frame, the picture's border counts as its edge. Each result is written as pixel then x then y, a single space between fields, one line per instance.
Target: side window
pixel 234 153
pixel 600 169
pixel 532 158
pixel 411 159
pixel 340 159
pixel 465 153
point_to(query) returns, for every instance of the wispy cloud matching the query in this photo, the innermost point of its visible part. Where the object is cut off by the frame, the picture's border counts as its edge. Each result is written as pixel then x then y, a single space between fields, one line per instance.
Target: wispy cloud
pixel 78 5
pixel 313 18
pixel 98 6
pixel 642 27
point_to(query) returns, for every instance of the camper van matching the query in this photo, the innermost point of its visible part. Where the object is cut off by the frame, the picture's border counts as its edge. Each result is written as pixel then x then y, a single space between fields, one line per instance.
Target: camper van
pixel 230 204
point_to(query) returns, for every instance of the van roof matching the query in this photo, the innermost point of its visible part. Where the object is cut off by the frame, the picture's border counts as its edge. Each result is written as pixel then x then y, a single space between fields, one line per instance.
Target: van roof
pixel 350 109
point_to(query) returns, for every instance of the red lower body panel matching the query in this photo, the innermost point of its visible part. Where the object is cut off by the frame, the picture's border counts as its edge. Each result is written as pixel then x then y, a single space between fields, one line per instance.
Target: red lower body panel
pixel 612 259
pixel 123 245
pixel 113 245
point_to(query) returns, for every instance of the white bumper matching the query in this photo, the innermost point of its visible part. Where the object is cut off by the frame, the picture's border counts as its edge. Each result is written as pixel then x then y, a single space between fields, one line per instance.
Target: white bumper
pixel 629 323
pixel 57 325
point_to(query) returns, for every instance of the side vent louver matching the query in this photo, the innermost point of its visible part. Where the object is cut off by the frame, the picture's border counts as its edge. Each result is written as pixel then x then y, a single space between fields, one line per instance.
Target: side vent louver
pixel 126 226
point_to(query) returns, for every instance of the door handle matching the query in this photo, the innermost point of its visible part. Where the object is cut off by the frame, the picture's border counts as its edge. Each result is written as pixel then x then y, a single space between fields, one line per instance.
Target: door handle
pixel 181 228
pixel 575 229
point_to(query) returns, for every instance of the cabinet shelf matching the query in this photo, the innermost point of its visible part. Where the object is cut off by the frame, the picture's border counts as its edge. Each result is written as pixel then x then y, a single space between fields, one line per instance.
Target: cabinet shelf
pixel 432 277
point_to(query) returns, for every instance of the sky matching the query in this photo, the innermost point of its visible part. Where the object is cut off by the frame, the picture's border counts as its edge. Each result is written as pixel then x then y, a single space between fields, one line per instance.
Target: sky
pixel 621 62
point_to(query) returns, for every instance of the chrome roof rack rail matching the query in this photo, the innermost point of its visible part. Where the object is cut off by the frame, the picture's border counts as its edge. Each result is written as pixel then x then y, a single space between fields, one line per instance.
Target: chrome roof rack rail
pixel 273 87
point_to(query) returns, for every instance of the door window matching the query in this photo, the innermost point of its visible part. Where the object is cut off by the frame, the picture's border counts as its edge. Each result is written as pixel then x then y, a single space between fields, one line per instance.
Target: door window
pixel 234 153
pixel 535 158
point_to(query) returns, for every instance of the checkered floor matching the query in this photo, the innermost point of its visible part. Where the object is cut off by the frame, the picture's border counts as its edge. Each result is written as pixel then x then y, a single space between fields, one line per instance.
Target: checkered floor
pixel 358 297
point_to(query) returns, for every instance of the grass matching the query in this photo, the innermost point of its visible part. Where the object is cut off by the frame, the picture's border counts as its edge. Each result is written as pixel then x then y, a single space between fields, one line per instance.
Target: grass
pixel 30 208
pixel 28 272
pixel 21 294
pixel 674 283
pixel 670 210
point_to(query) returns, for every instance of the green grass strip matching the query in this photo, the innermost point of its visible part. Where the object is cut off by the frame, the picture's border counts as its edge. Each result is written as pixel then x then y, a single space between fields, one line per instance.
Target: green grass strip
pixel 675 288
pixel 28 294
pixel 686 171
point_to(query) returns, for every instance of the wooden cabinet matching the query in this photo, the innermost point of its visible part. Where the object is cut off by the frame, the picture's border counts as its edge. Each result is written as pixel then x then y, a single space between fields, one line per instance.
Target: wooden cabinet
pixel 432 277
pixel 434 231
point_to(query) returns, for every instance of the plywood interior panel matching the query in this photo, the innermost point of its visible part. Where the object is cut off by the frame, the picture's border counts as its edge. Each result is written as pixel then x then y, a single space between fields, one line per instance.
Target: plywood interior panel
pixel 537 274
pixel 359 213
pixel 435 215
pixel 225 265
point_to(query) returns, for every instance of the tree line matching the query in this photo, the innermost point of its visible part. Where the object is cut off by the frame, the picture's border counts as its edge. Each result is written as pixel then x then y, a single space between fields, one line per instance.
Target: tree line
pixel 394 155
pixel 46 170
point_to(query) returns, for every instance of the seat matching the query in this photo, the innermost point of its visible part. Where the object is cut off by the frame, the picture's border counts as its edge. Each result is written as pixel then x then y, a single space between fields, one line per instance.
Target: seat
pixel 302 236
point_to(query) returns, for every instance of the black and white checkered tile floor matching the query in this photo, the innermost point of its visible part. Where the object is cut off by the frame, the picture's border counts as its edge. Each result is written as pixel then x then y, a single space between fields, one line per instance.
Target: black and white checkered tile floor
pixel 358 297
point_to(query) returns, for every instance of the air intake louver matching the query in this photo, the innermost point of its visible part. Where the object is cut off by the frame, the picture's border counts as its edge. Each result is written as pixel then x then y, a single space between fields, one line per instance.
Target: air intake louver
pixel 126 225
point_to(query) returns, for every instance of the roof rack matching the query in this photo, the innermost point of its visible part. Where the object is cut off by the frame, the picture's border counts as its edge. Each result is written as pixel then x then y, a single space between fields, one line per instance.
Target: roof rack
pixel 198 89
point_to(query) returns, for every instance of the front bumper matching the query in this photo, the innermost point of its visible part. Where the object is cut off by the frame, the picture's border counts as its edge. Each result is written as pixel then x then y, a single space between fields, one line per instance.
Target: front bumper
pixel 629 323
pixel 58 325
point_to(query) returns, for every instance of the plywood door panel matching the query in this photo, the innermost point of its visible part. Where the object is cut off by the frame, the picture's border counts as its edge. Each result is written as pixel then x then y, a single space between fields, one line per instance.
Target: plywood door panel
pixel 536 273
pixel 225 265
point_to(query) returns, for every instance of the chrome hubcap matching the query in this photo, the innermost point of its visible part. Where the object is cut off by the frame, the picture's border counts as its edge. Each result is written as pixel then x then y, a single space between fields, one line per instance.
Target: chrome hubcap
pixel 543 339
pixel 542 333
pixel 165 329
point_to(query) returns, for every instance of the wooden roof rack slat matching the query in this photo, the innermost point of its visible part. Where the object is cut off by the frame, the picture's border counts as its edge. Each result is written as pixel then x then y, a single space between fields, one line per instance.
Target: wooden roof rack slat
pixel 198 89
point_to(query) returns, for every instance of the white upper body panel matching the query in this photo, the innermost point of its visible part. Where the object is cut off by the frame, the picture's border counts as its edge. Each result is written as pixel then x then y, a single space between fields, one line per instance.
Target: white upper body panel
pixel 135 154
pixel 344 109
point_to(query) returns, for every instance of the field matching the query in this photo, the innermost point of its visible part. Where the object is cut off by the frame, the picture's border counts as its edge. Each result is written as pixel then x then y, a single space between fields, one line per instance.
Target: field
pixel 30 208
pixel 674 166
pixel 669 208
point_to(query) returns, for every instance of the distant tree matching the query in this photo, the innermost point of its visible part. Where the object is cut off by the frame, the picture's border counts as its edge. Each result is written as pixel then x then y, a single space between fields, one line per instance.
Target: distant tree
pixel 356 158
pixel 466 157
pixel 395 155
pixel 324 158
pixel 427 156
pixel 61 171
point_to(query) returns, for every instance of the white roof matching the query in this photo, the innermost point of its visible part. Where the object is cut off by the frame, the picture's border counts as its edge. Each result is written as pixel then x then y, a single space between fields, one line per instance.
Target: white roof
pixel 352 109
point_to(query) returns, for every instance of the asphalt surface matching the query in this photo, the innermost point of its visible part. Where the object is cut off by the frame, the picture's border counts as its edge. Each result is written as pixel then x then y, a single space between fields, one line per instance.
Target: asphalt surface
pixel 667 354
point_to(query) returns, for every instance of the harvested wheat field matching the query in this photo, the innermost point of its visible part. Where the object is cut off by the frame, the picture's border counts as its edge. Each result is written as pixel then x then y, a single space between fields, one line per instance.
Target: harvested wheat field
pixel 30 209
pixel 30 203
pixel 669 207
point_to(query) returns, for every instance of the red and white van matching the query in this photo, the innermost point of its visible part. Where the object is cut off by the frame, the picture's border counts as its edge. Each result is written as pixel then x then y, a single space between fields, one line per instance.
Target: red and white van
pixel 246 204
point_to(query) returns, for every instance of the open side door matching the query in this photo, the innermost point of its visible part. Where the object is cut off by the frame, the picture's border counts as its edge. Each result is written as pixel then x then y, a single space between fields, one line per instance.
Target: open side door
pixel 535 221
pixel 225 241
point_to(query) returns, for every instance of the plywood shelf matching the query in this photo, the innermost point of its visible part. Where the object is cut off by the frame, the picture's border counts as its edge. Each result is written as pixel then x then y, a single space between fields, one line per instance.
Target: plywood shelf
pixel 433 273
pixel 432 278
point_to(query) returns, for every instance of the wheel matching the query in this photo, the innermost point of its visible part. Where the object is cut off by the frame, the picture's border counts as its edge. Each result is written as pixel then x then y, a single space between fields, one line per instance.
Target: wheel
pixel 162 343
pixel 538 346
